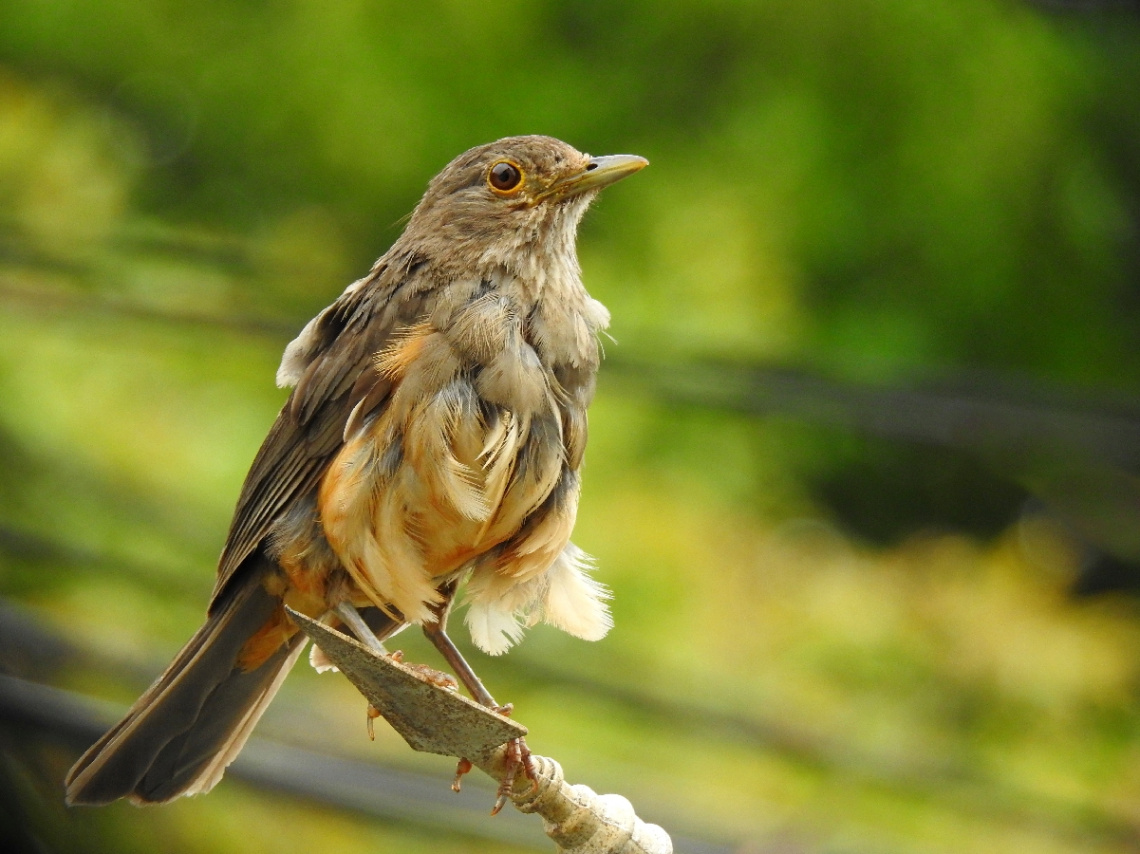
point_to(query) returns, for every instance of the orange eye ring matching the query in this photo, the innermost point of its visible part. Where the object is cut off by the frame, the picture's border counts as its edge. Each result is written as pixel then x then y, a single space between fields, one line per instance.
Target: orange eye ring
pixel 505 177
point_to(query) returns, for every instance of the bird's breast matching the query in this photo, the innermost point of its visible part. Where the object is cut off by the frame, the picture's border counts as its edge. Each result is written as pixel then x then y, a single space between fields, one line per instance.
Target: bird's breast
pixel 468 446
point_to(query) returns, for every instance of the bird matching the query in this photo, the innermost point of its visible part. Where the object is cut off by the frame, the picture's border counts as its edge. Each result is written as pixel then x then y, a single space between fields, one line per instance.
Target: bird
pixel 432 442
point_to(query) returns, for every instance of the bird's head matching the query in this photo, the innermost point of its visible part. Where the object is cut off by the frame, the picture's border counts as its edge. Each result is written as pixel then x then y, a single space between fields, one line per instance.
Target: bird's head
pixel 513 201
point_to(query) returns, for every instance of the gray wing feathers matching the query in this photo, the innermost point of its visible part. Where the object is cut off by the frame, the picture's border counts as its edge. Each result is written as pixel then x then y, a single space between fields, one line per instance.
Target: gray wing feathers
pixel 327 363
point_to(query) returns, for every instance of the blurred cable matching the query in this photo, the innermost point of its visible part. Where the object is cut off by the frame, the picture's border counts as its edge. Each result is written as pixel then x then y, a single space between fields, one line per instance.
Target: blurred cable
pixel 365 787
pixel 94 302
pixel 1087 6
pixel 1076 452
pixel 37 549
pixel 1011 419
pixel 1008 420
pixel 28 647
pixel 370 788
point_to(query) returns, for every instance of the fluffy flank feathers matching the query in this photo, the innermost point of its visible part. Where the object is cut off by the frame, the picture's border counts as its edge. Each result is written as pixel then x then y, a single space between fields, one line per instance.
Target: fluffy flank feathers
pixel 493 630
pixel 574 601
pixel 565 596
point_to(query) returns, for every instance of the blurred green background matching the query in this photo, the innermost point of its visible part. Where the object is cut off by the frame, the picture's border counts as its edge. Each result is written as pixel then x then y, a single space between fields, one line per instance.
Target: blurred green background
pixel 863 462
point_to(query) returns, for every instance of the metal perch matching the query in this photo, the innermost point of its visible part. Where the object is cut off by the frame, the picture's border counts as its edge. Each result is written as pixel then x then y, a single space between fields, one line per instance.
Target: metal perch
pixel 435 719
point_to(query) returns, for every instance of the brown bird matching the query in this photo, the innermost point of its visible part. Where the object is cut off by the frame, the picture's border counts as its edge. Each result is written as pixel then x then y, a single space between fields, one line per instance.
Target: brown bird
pixel 434 436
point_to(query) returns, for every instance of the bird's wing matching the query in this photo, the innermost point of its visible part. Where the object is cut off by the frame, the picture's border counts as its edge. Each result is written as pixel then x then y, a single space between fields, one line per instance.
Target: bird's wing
pixel 331 365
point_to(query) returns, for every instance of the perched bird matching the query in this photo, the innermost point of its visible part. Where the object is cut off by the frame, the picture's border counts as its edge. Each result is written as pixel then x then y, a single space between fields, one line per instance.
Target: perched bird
pixel 433 439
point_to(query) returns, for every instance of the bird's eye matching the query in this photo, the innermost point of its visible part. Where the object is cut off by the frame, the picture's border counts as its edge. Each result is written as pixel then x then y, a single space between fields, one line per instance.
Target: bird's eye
pixel 504 177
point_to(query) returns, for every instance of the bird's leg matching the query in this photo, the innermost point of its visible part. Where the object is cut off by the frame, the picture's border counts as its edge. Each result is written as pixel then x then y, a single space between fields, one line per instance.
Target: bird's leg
pixel 351 618
pixel 437 633
pixel 518 754
pixel 438 636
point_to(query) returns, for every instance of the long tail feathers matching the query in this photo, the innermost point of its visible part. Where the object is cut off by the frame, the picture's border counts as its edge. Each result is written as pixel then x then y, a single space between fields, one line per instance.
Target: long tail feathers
pixel 193 721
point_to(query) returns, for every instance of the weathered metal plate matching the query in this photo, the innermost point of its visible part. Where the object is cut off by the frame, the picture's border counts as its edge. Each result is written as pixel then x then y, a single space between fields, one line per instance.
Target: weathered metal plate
pixel 429 717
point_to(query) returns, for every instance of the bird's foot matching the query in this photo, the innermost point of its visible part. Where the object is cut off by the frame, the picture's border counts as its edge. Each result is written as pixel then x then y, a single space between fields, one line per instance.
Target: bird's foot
pixel 429 674
pixel 463 767
pixel 518 757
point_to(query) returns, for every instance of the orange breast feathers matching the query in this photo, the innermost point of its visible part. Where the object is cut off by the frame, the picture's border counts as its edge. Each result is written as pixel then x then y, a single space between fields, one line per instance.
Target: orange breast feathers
pixel 443 479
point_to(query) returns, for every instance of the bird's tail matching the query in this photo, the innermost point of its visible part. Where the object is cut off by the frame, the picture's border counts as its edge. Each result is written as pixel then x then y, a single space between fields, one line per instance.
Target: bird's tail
pixel 193 721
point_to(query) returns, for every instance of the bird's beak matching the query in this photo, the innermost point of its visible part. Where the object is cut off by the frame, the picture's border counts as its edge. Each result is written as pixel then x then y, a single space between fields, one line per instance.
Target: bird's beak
pixel 599 172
